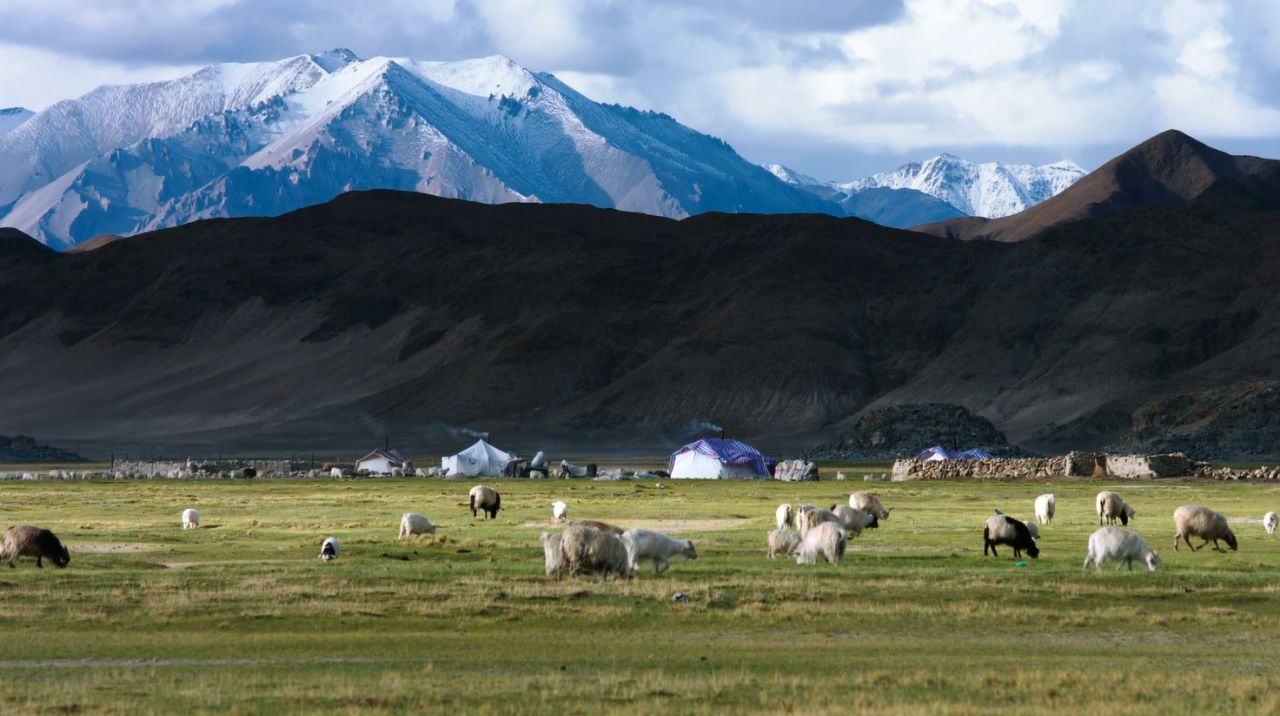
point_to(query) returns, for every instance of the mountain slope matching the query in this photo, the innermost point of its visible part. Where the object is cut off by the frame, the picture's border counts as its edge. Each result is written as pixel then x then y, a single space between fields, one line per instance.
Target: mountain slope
pixel 242 140
pixel 986 190
pixel 390 311
pixel 11 117
pixel 1170 169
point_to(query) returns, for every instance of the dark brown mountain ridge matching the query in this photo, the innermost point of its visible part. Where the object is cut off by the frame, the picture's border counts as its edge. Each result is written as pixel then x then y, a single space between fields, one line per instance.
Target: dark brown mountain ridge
pixel 561 325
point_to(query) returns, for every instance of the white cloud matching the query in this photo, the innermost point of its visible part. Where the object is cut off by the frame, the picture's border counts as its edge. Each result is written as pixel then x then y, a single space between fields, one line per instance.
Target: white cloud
pixel 36 78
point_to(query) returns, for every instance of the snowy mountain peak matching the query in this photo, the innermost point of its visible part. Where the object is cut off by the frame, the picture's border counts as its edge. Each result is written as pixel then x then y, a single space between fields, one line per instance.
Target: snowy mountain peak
pixel 990 190
pixel 11 117
pixel 335 59
pixel 791 176
pixel 243 139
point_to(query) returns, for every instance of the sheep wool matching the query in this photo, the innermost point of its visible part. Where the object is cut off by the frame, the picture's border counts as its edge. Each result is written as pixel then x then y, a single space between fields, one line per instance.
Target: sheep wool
pixel 783 541
pixel 855 521
pixel 1005 530
pixel 587 549
pixel 814 516
pixel 643 545
pixel 553 553
pixel 1111 507
pixel 31 541
pixel 483 498
pixel 1270 521
pixel 868 502
pixel 785 516
pixel 559 511
pixel 1046 504
pixel 1200 521
pixel 825 540
pixel 1119 545
pixel 412 523
pixel 330 548
pixel 190 519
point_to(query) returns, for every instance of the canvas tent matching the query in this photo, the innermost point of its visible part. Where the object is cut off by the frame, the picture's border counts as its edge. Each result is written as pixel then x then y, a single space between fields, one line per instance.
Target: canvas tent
pixel 717 458
pixel 381 462
pixel 479 459
pixel 937 452
pixel 974 454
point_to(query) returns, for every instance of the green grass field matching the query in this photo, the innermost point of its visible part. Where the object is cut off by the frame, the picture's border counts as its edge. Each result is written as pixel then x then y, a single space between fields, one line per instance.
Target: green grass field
pixel 241 615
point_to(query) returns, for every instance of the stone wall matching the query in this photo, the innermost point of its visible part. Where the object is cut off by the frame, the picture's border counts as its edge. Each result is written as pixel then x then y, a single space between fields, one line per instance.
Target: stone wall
pixel 1075 464
pixel 1228 473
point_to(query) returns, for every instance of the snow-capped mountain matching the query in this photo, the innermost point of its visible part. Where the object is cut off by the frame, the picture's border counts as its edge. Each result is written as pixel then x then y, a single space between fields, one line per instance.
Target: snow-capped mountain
pixel 899 208
pixel 263 138
pixel 11 117
pixel 990 190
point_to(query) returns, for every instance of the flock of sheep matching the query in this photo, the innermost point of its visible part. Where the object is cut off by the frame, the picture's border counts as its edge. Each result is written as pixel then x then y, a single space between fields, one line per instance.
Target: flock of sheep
pixel 809 533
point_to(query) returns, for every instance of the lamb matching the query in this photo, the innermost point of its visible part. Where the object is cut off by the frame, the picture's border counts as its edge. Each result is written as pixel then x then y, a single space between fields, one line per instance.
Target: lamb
pixel 1200 521
pixel 485 499
pixel 30 541
pixel 1045 506
pixel 825 540
pixel 1270 521
pixel 587 549
pixel 412 523
pixel 559 511
pixel 602 526
pixel 1111 507
pixel 785 516
pixel 868 502
pixel 645 544
pixel 783 541
pixel 554 554
pixel 811 516
pixel 855 521
pixel 190 519
pixel 1121 545
pixel 329 548
pixel 1003 529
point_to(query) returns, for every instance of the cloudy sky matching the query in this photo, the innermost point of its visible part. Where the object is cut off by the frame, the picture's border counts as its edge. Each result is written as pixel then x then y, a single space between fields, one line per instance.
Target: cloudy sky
pixel 834 88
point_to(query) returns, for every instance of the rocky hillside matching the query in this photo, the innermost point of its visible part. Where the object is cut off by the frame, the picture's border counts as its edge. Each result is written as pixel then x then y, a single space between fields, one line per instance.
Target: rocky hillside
pixel 905 430
pixel 22 448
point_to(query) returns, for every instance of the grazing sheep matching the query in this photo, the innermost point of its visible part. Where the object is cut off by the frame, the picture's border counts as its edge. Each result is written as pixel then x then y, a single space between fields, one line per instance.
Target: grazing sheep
pixel 1120 545
pixel 559 511
pixel 335 472
pixel 1046 504
pixel 587 549
pixel 602 526
pixel 1200 521
pixel 485 499
pixel 855 521
pixel 811 516
pixel 825 540
pixel 554 554
pixel 412 523
pixel 645 544
pixel 29 541
pixel 1270 521
pixel 329 548
pixel 1033 528
pixel 1111 507
pixel 1003 529
pixel 190 519
pixel 783 541
pixel 785 516
pixel 867 502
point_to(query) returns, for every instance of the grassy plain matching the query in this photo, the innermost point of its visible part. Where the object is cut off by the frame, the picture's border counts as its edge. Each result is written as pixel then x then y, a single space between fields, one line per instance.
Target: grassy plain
pixel 241 616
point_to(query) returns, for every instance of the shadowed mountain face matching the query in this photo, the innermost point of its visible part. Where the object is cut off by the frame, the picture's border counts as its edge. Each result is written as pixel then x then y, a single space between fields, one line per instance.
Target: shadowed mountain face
pixel 1170 169
pixel 562 325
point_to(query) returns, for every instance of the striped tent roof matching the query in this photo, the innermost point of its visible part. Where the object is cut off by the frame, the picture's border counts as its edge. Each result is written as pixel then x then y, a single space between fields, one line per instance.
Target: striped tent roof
pixel 727 451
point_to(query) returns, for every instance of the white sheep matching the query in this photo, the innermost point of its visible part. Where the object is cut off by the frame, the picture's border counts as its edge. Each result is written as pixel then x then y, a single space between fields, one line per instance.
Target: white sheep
pixel 412 523
pixel 868 502
pixel 335 472
pixel 329 548
pixel 559 511
pixel 553 554
pixel 645 544
pixel 1120 545
pixel 1270 521
pixel 190 519
pixel 855 521
pixel 825 540
pixel 1046 504
pixel 783 541
pixel 785 516
pixel 810 516
pixel 1111 507
pixel 1200 521
pixel 587 549
pixel 484 499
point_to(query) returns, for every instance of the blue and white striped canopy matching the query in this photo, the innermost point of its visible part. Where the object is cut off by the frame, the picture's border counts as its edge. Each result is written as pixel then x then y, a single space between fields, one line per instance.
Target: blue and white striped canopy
pixel 727 451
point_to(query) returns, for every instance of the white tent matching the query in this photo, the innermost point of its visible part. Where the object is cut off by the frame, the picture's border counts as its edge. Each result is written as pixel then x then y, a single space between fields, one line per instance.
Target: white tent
pixel 382 462
pixel 479 459
pixel 717 458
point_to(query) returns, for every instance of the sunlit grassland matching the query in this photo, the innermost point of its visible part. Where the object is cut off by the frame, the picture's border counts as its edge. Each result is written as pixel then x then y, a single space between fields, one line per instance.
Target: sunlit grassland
pixel 240 613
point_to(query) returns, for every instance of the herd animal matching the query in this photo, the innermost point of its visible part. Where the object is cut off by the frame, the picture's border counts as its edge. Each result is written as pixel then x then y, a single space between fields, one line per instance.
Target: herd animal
pixel 808 533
